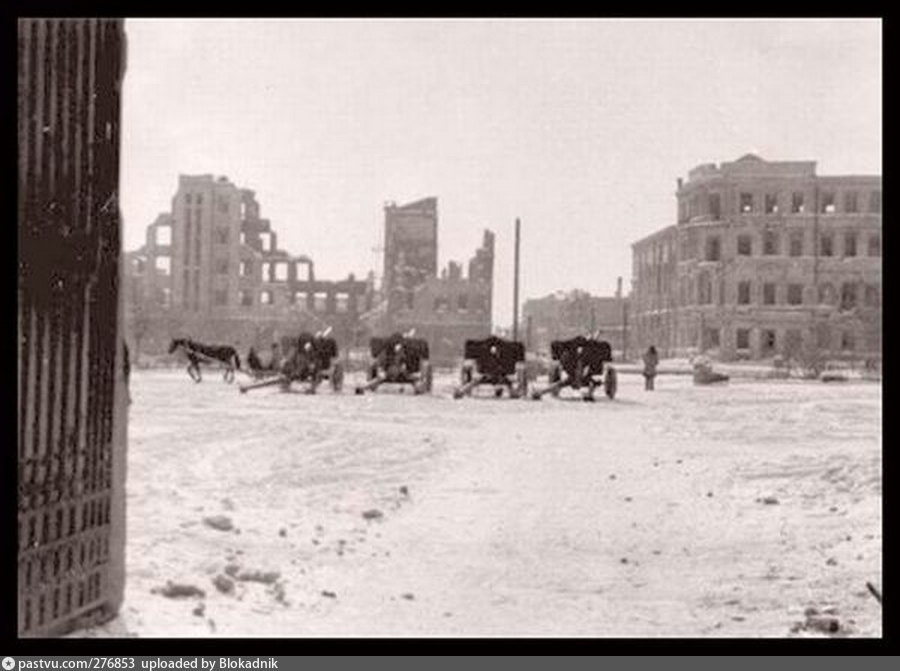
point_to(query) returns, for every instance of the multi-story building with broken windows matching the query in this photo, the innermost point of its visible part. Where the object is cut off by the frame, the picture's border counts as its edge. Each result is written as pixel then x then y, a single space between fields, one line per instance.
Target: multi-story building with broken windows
pixel 211 268
pixel 445 308
pixel 766 258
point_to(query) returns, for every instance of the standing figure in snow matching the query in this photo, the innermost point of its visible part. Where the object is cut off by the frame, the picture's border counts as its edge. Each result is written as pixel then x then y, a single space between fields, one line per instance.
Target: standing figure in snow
pixel 651 361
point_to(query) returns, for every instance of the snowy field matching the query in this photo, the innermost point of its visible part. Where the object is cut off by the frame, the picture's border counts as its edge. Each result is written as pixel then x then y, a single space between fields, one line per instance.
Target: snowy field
pixel 752 509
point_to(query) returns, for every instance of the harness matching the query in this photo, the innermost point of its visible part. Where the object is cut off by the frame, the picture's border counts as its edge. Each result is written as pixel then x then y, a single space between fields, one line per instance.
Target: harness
pixel 196 356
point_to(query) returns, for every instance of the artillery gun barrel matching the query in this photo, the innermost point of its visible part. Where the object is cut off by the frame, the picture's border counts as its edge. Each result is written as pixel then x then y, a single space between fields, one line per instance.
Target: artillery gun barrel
pixel 271 382
pixel 371 385
pixel 556 386
pixel 467 388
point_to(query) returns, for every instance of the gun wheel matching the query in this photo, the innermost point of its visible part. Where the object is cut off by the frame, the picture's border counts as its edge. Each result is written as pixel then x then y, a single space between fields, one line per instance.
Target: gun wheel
pixel 521 389
pixel 465 375
pixel 426 379
pixel 610 382
pixel 337 377
pixel 555 376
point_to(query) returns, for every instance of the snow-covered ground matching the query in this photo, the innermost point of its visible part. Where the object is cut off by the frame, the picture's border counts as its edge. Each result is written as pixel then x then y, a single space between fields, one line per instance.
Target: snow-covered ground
pixel 751 509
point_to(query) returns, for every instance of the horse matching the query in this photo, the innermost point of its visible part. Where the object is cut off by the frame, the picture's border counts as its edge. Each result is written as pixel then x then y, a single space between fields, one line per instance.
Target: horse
pixel 198 353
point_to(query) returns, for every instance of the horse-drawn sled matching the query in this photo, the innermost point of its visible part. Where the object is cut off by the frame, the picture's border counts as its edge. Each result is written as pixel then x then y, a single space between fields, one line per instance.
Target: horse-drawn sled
pixel 581 364
pixel 209 355
pixel 493 362
pixel 399 359
pixel 309 359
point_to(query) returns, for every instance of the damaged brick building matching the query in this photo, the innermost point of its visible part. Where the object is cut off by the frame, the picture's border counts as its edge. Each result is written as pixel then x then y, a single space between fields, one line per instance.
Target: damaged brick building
pixel 566 315
pixel 211 269
pixel 445 309
pixel 766 258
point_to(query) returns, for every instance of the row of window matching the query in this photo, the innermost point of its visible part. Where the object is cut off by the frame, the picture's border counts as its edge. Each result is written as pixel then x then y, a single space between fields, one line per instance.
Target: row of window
pixel 793 340
pixel 298 298
pixel 196 199
pixel 222 203
pixel 770 340
pixel 849 294
pixel 265 239
pixel 245 298
pixel 271 271
pixel 659 254
pixel 463 304
pixel 221 236
pixel 771 245
pixel 827 202
pixel 774 203
pixel 847 299
pixel 163 264
pixel 443 304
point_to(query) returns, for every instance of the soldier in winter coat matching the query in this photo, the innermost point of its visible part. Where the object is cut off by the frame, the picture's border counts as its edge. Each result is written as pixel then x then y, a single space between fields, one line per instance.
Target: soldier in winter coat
pixel 651 361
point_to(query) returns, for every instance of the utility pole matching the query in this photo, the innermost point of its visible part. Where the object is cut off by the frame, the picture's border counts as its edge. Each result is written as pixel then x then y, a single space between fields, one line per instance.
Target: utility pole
pixel 516 284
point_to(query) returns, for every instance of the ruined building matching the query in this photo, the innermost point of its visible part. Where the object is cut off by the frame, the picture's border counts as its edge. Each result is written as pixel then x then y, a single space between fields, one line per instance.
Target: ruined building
pixel 212 269
pixel 445 309
pixel 410 250
pixel 564 315
pixel 766 258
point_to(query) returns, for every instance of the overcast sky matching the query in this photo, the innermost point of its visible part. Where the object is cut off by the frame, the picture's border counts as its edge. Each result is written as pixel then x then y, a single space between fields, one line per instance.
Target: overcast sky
pixel 578 127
